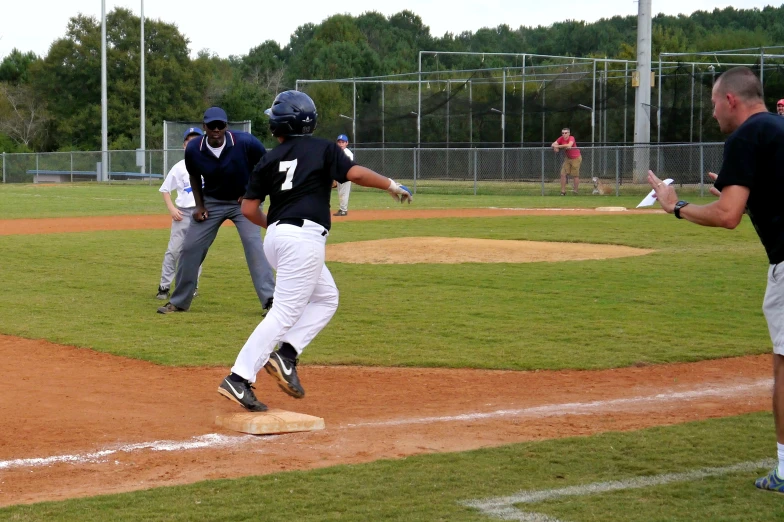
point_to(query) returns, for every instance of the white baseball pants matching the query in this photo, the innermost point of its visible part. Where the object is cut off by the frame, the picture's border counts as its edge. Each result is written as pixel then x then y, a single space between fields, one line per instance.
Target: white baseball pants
pixel 305 299
pixel 344 190
pixel 174 250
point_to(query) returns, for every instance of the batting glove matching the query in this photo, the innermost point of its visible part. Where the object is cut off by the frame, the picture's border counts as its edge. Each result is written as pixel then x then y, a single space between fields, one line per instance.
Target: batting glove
pixel 400 193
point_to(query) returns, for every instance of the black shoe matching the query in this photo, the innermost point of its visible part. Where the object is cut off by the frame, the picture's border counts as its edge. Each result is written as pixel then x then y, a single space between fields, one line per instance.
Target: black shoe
pixel 241 392
pixel 169 308
pixel 163 293
pixel 196 292
pixel 285 372
pixel 340 213
pixel 266 308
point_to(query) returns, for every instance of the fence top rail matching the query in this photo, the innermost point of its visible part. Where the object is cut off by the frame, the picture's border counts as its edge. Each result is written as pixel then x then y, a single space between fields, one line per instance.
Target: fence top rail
pixel 413 146
pixel 543 147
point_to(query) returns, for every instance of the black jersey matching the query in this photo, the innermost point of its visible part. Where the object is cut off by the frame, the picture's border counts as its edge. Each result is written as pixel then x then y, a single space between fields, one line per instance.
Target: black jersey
pixel 297 176
pixel 754 158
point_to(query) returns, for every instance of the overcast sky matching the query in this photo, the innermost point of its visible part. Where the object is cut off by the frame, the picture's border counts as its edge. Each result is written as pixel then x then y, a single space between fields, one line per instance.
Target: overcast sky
pixel 227 28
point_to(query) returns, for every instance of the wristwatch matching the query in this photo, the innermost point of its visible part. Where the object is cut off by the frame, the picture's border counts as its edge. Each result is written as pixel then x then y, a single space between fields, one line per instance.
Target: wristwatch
pixel 678 206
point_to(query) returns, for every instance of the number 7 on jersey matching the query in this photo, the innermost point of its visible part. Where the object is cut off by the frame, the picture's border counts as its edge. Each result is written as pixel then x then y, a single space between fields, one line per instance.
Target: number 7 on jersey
pixel 288 167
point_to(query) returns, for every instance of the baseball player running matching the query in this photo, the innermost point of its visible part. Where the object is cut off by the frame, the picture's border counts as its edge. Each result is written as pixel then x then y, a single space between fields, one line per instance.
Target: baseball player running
pixel 297 176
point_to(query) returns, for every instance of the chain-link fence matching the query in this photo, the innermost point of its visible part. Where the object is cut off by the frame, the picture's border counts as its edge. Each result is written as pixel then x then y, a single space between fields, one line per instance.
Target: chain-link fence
pixel 532 171
pixel 536 171
pixel 68 167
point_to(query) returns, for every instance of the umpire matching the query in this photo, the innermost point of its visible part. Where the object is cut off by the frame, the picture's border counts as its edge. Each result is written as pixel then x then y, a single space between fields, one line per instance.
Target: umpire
pixel 224 160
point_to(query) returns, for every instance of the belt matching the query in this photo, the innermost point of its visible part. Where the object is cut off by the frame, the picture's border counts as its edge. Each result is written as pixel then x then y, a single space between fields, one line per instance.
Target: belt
pixel 297 222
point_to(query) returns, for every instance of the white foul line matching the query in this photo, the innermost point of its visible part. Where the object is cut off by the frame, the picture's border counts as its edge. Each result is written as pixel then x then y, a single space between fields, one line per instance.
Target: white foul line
pixel 211 440
pixel 504 507
pixel 214 440
pixel 581 408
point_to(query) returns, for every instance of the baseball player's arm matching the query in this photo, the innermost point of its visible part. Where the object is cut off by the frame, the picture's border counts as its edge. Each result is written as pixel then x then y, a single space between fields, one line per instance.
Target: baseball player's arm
pixel 194 174
pixel 367 178
pixel 200 211
pixel 174 212
pixel 726 212
pixel 251 209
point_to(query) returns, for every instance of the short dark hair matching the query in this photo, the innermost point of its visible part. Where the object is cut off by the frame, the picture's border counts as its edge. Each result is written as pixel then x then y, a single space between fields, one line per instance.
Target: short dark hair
pixel 742 82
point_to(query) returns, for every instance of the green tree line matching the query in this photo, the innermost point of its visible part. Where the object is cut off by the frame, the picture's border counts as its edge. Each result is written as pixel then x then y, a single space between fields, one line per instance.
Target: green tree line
pixel 53 102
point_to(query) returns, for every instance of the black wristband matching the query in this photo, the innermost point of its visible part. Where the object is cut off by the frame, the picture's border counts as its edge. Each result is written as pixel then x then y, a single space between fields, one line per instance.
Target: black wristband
pixel 678 206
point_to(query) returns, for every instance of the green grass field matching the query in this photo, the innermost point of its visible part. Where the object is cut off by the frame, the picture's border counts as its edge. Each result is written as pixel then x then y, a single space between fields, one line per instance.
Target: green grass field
pixel 677 304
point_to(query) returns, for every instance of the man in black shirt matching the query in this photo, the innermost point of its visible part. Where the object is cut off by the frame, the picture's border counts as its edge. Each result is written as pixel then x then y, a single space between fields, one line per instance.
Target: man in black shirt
pixel 297 176
pixel 751 181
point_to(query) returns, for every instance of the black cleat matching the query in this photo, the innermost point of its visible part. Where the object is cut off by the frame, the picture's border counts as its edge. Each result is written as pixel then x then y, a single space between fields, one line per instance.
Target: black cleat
pixel 163 293
pixel 340 213
pixel 169 308
pixel 284 370
pixel 241 392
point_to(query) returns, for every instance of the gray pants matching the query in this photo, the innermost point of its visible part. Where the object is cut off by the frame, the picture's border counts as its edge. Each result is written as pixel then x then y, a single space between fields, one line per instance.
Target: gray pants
pixel 773 306
pixel 198 240
pixel 173 251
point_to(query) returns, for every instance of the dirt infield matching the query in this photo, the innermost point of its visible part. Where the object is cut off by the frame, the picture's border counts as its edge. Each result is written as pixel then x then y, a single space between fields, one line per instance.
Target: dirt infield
pixel 100 424
pixel 74 422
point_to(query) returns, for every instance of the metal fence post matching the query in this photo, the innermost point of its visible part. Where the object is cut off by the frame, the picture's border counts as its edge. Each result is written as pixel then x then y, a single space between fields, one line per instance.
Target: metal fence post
pixel 71 166
pixel 36 167
pixel 702 171
pixel 416 164
pixel 617 173
pixel 3 167
pixel 542 171
pixel 475 170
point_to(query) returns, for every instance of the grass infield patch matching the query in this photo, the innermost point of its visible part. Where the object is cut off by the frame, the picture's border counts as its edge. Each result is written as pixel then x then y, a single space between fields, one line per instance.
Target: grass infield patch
pixel 677 304
pixel 434 487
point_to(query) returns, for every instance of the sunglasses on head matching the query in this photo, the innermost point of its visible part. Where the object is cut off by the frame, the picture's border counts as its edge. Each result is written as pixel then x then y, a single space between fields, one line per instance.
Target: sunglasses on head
pixel 216 125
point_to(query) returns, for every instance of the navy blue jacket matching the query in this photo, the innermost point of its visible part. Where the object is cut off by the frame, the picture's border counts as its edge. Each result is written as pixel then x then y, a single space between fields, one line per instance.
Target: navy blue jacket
pixel 225 178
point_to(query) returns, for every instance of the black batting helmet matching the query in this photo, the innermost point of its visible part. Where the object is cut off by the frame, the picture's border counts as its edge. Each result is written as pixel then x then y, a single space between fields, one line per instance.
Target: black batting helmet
pixel 293 113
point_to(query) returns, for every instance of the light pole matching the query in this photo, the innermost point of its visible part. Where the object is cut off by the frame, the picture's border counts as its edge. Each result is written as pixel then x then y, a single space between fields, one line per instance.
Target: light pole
pixel 593 127
pixel 142 110
pixel 353 127
pixel 104 104
pixel 503 126
pixel 503 141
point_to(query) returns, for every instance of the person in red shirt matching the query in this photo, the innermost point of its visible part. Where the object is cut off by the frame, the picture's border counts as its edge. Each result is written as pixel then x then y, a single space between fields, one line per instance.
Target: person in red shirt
pixel 780 107
pixel 571 164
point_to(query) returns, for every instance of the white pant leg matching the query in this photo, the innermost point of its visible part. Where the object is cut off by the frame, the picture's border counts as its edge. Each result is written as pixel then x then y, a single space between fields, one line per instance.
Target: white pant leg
pixel 174 250
pixel 344 189
pixel 297 254
pixel 319 311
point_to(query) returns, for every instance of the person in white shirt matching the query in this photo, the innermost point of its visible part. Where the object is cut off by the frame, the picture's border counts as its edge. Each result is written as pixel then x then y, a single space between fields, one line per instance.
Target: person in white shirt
pixel 344 189
pixel 180 211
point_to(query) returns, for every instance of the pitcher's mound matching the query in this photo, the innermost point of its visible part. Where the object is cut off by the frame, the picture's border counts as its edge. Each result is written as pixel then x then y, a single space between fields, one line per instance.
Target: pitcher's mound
pixel 469 250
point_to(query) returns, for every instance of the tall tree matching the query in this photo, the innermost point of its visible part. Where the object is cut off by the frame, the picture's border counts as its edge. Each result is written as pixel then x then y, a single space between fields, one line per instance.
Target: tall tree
pixel 69 79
